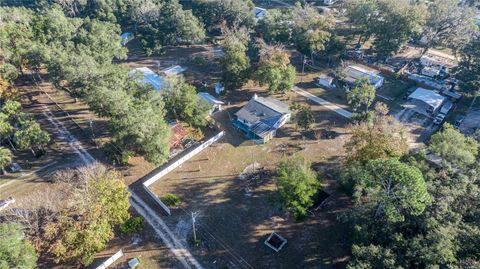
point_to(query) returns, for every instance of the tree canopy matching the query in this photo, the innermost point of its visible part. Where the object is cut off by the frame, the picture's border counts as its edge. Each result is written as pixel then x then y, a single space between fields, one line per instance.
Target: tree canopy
pixel 101 203
pixel 454 147
pixel 297 184
pixel 15 250
pixel 468 70
pixel 274 68
pixel 383 138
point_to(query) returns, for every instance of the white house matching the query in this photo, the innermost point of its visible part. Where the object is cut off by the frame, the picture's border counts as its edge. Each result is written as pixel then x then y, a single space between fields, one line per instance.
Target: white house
pixel 426 100
pixel 261 117
pixel 214 102
pixel 353 73
pixel 328 2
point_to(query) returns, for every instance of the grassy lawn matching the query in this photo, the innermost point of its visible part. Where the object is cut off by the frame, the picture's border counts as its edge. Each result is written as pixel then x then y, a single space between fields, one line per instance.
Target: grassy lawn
pixel 237 214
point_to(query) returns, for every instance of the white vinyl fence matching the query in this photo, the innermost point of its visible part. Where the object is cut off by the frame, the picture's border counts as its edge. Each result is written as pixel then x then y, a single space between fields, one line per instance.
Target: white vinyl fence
pixel 176 164
pixel 111 260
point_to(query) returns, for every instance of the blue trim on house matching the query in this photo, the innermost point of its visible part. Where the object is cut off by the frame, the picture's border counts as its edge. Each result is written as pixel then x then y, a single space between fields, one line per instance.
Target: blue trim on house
pixel 246 130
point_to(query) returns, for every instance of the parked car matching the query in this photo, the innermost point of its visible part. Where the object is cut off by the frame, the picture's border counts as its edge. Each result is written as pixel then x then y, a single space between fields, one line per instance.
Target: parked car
pixel 446 107
pixel 459 121
pixel 439 118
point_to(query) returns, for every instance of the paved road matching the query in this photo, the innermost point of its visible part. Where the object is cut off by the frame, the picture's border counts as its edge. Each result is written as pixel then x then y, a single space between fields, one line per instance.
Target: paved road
pixel 335 108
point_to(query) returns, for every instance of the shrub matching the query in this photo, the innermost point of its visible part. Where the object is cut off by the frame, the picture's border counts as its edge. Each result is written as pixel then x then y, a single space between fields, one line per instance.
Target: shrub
pixel 171 199
pixel 132 225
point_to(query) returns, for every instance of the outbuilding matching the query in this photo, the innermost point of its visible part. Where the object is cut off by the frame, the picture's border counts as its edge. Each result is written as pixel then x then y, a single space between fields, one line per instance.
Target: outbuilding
pixel 175 70
pixel 125 38
pixel 426 100
pixel 149 77
pixel 325 81
pixel 259 13
pixel 214 102
pixel 354 73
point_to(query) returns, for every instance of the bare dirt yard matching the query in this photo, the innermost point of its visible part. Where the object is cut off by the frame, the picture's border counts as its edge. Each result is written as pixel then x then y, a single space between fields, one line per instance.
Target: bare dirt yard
pixel 238 211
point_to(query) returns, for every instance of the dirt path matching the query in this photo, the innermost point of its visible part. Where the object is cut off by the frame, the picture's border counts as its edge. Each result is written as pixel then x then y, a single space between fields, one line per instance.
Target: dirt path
pixel 335 108
pixel 137 202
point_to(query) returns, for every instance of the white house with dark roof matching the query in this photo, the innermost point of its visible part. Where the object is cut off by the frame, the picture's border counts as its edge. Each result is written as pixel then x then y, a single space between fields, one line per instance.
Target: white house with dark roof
pixel 261 117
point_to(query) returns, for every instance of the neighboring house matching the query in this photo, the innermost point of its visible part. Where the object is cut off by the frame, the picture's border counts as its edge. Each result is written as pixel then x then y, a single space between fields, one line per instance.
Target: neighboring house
pixel 438 60
pixel 157 81
pixel 125 38
pixel 328 2
pixel 259 13
pixel 354 73
pixel 261 117
pixel 430 71
pixel 173 71
pixel 325 81
pixel 426 100
pixel 178 133
pixel 149 77
pixel 216 105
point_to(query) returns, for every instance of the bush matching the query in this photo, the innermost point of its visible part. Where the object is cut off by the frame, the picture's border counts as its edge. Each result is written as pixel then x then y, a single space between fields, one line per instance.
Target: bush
pixel 171 199
pixel 132 225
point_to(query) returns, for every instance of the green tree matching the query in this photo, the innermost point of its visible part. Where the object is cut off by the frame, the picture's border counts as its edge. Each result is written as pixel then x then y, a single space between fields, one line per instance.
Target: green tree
pixel 101 204
pixel 8 72
pixel 297 184
pixel 391 22
pixel 468 70
pixel 274 69
pixel 171 26
pixel 235 62
pixel 5 158
pixel 231 12
pixel 362 14
pixel 394 188
pixel 454 147
pixel 305 118
pixel 143 129
pixel 362 94
pixel 16 35
pixel 448 24
pixel 275 26
pixel 30 136
pixel 396 23
pixel 383 138
pixel 182 102
pixel 11 108
pixel 311 31
pixel 5 128
pixel 15 251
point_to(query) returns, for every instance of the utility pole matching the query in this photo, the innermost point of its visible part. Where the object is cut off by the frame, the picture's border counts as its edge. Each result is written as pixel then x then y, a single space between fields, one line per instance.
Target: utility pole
pixel 194 217
pixel 303 67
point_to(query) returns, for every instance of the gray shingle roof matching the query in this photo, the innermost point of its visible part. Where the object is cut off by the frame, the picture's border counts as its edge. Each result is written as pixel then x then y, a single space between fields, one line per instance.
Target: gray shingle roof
pixel 262 109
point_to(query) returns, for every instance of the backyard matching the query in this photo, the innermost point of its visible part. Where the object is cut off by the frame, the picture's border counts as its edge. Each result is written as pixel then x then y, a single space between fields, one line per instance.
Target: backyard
pixel 231 185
